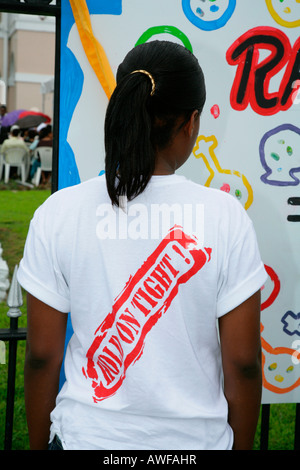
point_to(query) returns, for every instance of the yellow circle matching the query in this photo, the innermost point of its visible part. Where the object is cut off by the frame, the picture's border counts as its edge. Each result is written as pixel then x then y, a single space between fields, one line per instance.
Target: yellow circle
pixel 279 378
pixel 278 19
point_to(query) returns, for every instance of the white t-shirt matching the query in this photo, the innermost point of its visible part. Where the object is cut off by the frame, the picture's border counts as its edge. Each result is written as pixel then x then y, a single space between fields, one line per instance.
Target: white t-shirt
pixel 145 285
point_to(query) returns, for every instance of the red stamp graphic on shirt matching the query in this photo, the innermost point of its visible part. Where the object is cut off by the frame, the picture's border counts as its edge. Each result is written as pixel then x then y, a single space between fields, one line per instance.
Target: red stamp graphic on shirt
pixel 120 339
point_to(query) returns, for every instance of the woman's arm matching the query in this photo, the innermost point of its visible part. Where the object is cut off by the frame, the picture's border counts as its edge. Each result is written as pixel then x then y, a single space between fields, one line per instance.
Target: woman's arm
pixel 46 328
pixel 241 355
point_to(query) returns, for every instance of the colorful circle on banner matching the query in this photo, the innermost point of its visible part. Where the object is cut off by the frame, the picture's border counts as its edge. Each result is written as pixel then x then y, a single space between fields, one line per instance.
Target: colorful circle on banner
pixel 210 15
pixel 283 14
pixel 162 30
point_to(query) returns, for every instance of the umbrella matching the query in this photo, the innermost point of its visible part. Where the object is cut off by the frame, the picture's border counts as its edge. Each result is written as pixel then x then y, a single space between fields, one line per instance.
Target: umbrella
pixel 28 119
pixel 10 118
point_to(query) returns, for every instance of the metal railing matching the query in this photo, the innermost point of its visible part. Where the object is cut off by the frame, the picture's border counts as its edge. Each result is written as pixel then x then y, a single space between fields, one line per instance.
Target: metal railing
pixel 12 335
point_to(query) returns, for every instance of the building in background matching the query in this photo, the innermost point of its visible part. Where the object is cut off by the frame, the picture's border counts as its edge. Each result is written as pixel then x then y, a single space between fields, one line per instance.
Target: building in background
pixel 27 55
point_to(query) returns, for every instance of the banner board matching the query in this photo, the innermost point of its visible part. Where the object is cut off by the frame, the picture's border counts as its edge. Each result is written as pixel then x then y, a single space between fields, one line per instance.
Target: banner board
pixel 249 139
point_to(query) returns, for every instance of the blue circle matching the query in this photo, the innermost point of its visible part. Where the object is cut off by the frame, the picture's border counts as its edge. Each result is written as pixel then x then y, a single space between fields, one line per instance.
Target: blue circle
pixel 208 25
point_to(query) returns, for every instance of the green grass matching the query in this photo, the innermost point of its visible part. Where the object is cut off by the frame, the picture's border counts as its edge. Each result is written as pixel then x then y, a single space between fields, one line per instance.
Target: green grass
pixel 16 210
pixel 282 427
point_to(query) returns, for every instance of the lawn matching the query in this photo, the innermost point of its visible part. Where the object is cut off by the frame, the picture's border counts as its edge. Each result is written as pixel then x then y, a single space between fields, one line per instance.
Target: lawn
pixel 16 210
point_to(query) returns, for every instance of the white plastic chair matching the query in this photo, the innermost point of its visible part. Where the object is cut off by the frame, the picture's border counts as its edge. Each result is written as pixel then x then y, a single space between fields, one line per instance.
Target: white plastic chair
pixel 15 156
pixel 45 154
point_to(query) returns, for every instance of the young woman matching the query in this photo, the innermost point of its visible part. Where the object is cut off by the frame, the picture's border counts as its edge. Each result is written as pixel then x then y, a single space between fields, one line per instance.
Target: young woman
pixel 162 280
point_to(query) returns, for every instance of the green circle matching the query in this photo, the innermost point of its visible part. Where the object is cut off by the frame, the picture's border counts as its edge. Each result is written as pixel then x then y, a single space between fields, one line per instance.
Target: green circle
pixel 165 29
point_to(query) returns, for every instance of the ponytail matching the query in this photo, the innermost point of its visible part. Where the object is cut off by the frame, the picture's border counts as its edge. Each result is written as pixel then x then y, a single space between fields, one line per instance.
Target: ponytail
pixel 130 156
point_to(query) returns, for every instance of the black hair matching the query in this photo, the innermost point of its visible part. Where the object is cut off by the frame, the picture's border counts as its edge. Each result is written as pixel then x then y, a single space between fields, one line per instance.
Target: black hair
pixel 45 131
pixel 136 123
pixel 15 132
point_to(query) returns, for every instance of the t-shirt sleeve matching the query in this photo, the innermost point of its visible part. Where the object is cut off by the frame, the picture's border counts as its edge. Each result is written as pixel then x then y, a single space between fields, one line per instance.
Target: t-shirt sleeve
pixel 244 272
pixel 39 271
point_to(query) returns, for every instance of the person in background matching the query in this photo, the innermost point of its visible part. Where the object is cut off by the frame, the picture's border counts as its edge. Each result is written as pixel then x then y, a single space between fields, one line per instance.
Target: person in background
pixel 3 111
pixel 43 133
pixel 166 347
pixel 14 141
pixel 43 139
pixel 4 131
pixel 29 136
pixel 46 137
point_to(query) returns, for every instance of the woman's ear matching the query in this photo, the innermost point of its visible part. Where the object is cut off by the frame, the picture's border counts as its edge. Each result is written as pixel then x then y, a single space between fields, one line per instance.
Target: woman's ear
pixel 192 123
